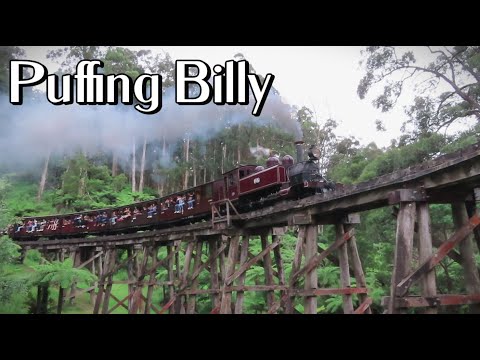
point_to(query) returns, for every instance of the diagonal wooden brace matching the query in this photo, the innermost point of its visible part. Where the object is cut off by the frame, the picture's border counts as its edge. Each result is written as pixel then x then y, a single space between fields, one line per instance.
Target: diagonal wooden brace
pixel 443 250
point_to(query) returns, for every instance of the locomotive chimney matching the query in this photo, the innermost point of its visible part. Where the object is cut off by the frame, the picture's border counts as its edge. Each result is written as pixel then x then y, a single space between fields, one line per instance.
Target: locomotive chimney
pixel 299 147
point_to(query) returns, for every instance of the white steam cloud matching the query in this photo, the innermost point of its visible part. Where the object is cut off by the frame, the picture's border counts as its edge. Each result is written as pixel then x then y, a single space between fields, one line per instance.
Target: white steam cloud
pixel 30 131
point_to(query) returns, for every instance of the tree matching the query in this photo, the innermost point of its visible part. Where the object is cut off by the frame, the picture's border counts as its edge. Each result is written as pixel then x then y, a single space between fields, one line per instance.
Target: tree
pixel 4 188
pixel 7 53
pixel 61 274
pixel 43 179
pixel 13 285
pixel 447 85
pixel 69 57
pixel 322 135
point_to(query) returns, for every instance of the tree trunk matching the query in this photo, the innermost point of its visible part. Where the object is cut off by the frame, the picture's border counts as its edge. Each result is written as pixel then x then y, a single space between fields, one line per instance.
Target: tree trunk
pixel 114 164
pixel 163 181
pixel 43 309
pixel 39 300
pixel 142 166
pixel 224 156
pixel 43 179
pixel 134 185
pixel 60 300
pixel 472 280
pixel 239 148
pixel 82 184
pixel 212 175
pixel 66 171
pixel 194 172
pixel 187 158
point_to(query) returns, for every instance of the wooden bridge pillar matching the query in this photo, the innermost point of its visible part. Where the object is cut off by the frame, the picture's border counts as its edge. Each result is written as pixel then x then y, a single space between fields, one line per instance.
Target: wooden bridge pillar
pixel 75 255
pixel 241 279
pixel 344 270
pixel 172 254
pixel 307 240
pixel 193 279
pixel 472 280
pixel 134 254
pixel 311 277
pixel 229 270
pixel 214 266
pixel 356 264
pixel 181 298
pixel 403 248
pixel 153 252
pixel 107 268
pixel 403 277
pixel 425 251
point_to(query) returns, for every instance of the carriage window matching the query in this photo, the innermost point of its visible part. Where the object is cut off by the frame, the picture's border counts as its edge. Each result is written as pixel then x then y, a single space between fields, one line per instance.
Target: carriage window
pixel 231 180
pixel 242 173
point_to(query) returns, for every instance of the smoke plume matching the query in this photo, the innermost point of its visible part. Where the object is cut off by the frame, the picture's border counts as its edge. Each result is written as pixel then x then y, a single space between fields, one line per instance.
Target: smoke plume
pixel 30 131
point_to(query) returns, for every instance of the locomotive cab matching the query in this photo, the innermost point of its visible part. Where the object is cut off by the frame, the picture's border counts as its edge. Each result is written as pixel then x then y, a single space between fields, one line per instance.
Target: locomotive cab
pixel 228 188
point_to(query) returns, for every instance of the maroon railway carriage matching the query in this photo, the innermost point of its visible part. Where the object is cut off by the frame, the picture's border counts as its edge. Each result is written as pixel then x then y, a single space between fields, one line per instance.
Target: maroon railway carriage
pixel 133 217
pixel 244 182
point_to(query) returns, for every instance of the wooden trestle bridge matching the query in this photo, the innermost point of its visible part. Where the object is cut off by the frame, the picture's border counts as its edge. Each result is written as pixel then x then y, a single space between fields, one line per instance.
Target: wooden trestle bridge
pixel 452 178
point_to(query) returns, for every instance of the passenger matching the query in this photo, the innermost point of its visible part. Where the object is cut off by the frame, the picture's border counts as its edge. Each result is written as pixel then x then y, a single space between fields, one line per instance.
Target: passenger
pixel 78 221
pixel 20 227
pixel 28 226
pixel 104 218
pixel 126 214
pixel 113 219
pixel 152 210
pixel 136 212
pixel 180 203
pixel 34 225
pixel 53 224
pixel 190 201
pixel 42 225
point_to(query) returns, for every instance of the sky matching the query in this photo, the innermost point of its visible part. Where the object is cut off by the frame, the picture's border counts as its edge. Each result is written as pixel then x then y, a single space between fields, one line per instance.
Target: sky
pixel 325 79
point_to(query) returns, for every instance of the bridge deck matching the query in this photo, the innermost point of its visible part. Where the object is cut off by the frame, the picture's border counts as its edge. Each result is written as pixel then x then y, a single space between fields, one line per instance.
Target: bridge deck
pixel 445 179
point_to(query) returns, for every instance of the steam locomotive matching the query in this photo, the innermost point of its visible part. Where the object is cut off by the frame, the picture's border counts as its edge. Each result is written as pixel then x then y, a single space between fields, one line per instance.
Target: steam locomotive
pixel 245 188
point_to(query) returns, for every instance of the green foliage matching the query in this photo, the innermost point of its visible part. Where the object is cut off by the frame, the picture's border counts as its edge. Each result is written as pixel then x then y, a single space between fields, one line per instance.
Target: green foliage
pixel 369 162
pixel 348 164
pixel 9 251
pixel 451 68
pixel 21 201
pixel 5 217
pixel 403 157
pixel 13 283
pixel 7 53
pixel 60 273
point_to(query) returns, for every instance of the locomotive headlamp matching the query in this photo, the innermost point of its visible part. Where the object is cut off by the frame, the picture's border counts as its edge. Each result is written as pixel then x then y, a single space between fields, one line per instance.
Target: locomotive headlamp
pixel 314 153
